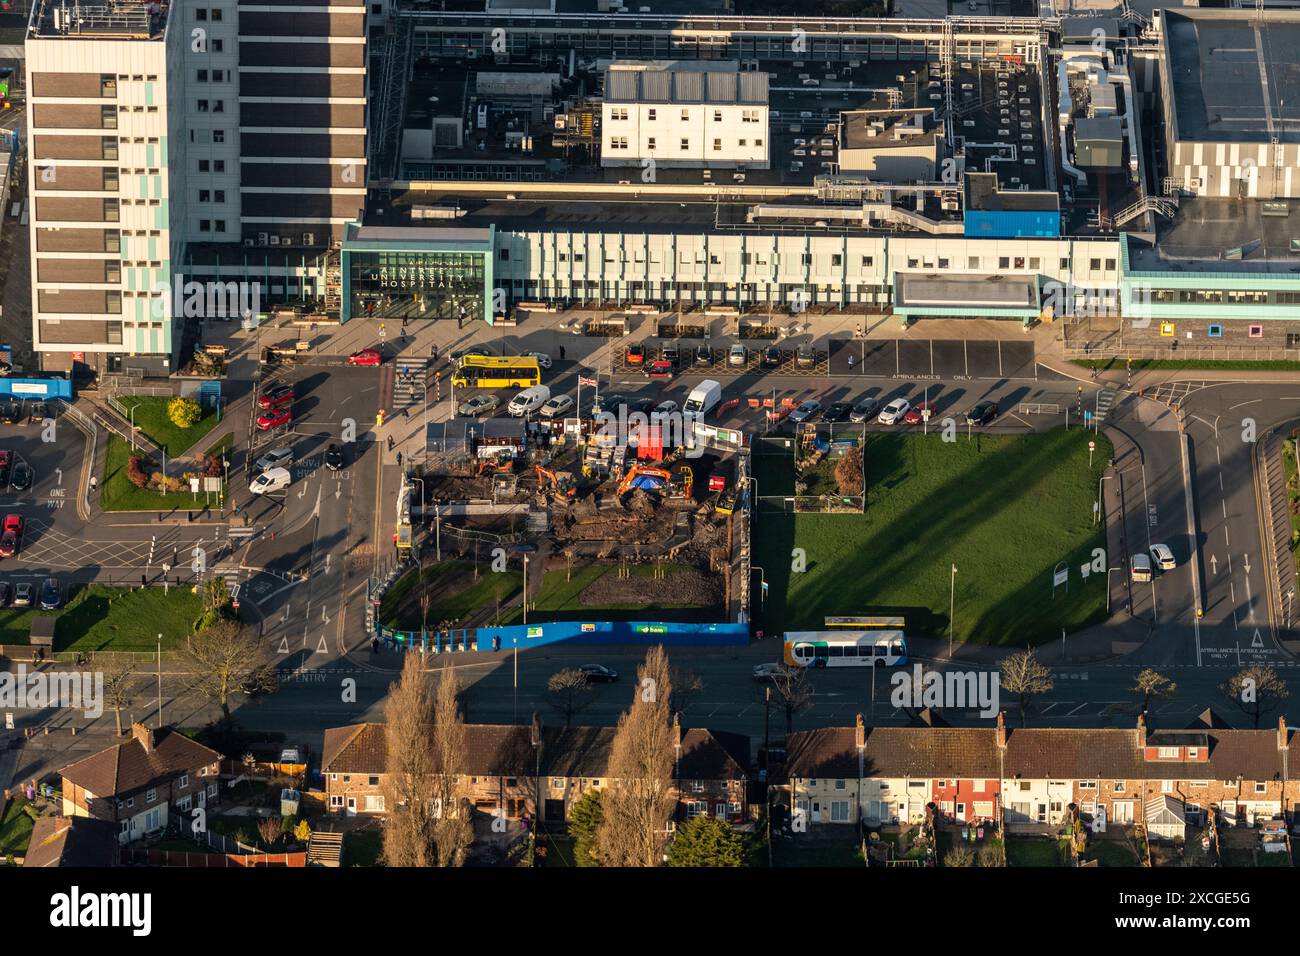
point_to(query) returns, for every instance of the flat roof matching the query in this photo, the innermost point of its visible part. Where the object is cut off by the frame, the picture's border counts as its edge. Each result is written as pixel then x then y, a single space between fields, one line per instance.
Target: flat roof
pixel 1006 291
pixel 1233 74
pixel 1207 229
pixel 857 126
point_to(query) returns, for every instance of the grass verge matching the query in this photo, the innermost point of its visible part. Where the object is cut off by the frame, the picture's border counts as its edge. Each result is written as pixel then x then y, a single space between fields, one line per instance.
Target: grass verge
pixel 151 418
pixel 100 618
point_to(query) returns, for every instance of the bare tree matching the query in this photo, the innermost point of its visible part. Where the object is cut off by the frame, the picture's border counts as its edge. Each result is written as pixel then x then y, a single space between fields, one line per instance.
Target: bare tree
pixel 1255 690
pixel 687 687
pixel 118 692
pixel 452 830
pixel 640 800
pixel 569 692
pixel 226 660
pixel 268 828
pixel 1151 684
pixel 794 693
pixel 409 765
pixel 1025 676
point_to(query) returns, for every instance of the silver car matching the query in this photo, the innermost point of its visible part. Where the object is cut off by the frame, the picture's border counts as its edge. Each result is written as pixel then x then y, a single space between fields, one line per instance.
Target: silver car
pixel 805 411
pixel 275 458
pixel 479 404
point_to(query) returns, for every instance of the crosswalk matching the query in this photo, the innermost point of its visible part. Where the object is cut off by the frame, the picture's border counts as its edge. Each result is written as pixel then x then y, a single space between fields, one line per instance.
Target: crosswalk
pixel 1105 399
pixel 410 382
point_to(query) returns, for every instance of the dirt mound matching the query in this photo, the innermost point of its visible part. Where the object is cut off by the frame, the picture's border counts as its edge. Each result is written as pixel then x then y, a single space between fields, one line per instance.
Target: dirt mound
pixel 681 588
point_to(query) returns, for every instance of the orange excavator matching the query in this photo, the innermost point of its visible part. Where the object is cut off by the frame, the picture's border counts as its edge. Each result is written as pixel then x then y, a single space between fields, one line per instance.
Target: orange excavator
pixel 501 464
pixel 563 483
pixel 636 471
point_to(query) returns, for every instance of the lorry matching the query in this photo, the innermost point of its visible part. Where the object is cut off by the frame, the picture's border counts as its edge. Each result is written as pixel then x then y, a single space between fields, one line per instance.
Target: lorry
pixel 703 398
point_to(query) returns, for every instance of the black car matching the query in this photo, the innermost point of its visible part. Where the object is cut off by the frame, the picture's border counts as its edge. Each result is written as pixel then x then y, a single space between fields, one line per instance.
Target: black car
pixel 334 456
pixel 643 405
pixel 982 414
pixel 771 357
pixel 38 413
pixel 837 412
pixel 610 403
pixel 10 412
pixel 864 410
pixel 6 594
pixel 51 596
pixel 455 357
pixel 672 354
pixel 704 355
pixel 21 479
pixel 598 673
pixel 6 463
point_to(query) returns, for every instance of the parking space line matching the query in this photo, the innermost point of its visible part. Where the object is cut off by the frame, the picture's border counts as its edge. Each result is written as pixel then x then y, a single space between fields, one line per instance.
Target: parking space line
pixel 999 341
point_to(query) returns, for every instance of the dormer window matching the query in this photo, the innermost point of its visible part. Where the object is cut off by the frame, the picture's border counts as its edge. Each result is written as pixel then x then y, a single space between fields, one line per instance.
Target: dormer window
pixel 1167 753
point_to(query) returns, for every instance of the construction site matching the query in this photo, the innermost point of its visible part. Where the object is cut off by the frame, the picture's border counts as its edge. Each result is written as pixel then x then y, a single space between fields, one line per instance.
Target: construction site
pixel 577 514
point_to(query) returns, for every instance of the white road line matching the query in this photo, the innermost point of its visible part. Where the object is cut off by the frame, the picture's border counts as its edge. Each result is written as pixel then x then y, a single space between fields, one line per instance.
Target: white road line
pixel 1077 709
pixel 1225 509
pixel 1242 404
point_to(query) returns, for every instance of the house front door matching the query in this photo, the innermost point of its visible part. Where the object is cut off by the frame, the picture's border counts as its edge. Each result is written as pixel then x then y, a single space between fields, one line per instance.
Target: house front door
pixel 1122 811
pixel 352 806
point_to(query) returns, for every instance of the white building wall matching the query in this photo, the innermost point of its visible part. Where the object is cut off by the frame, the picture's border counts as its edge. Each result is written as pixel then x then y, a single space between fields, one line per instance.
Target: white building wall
pixel 691 135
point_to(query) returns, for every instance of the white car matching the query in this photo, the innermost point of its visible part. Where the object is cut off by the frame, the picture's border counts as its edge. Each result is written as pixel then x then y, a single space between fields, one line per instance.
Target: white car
pixel 767 671
pixel 557 406
pixel 275 458
pixel 737 355
pixel 666 407
pixel 273 479
pixel 543 360
pixel 478 405
pixel 893 413
pixel 1162 557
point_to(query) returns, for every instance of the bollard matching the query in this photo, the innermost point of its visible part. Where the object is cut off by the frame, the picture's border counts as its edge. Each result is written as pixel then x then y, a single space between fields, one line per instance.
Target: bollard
pixel 74 731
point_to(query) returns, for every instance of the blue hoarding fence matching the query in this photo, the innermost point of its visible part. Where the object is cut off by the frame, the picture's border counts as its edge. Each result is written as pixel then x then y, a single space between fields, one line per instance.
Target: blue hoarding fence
pixel 36 388
pixel 525 636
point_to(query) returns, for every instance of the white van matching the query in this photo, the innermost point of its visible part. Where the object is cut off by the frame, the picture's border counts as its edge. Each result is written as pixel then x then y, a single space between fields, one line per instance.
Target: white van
pixel 529 400
pixel 273 479
pixel 1140 567
pixel 702 398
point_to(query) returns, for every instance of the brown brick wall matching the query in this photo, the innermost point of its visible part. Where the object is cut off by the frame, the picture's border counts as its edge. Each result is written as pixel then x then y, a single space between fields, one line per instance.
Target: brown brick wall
pixel 72 270
pixel 301 54
pixel 324 115
pixel 65 84
pixel 72 209
pixel 303 84
pixel 76 332
pixel 301 205
pixel 67 147
pixel 312 145
pixel 301 24
pixel 71 240
pixel 94 301
pixel 307 175
pixel 80 178
pixel 67 116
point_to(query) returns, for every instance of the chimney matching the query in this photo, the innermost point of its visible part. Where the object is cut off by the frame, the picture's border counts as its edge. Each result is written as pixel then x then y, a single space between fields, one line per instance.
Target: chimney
pixel 1281 733
pixel 677 732
pixel 1142 729
pixel 859 732
pixel 1002 730
pixel 144 735
pixel 535 730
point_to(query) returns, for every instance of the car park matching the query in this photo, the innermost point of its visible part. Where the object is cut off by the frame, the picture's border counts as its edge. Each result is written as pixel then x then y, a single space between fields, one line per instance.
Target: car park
pixel 10 412
pixel 51 595
pixel 805 356
pixel 23 592
pixel 864 410
pixel 334 460
pixel 11 538
pixel 635 355
pixel 771 357
pixel 598 673
pixel 274 419
pixel 38 412
pixel 365 357
pixel 671 354
pixel 737 355
pixel 281 457
pixel 557 406
pixel 660 368
pixel 893 413
pixel 21 479
pixel 1162 557
pixel 275 397
pixel 805 411
pixel 918 413
pixel 478 405
pixel 982 413
pixel 837 412
pixel 273 479
pixel 704 355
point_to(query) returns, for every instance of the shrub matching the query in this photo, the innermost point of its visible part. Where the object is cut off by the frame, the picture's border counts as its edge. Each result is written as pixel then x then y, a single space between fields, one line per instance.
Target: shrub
pixel 848 473
pixel 135 472
pixel 959 856
pixel 184 412
pixel 302 832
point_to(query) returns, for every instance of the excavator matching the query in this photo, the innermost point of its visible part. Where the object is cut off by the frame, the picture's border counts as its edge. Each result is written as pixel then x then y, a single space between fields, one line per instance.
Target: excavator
pixel 562 482
pixel 637 471
pixel 500 464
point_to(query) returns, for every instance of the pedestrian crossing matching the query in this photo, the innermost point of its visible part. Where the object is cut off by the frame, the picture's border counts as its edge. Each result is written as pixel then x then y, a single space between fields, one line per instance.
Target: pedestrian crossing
pixel 410 382
pixel 1105 399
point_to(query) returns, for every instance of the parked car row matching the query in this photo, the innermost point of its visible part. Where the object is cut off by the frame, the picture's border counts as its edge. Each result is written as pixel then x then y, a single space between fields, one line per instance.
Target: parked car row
pixel 14 471
pixel 25 594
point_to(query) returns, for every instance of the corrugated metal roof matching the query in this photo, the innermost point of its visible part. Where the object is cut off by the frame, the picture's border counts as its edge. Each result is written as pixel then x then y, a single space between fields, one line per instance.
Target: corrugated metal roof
pixel 620 86
pixel 722 87
pixel 753 87
pixel 688 87
pixel 670 81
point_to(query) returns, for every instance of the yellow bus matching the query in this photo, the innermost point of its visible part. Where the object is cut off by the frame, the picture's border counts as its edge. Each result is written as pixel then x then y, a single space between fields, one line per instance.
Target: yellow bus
pixel 497 371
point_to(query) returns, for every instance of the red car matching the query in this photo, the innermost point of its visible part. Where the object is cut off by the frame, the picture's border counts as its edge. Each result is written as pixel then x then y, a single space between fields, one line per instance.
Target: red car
pixel 366 357
pixel 274 419
pixel 635 355
pixel 917 413
pixel 275 397
pixel 12 537
pixel 660 368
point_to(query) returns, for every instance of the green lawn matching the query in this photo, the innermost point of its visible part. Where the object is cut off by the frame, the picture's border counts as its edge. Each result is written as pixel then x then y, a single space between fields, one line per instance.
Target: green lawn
pixel 1035 851
pixel 97 617
pixel 362 847
pixel 1004 509
pixel 116 493
pixel 559 598
pixel 1110 853
pixel 1138 365
pixel 151 418
pixel 15 828
pixel 791 853
pixel 1292 487
pixel 401 606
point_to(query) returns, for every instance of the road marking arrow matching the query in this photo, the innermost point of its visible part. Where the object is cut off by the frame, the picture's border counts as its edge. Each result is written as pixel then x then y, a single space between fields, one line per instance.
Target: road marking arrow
pixel 322 648
pixel 338 491
pixel 1214 564
pixel 284 646
pixel 59 476
pixel 1246 562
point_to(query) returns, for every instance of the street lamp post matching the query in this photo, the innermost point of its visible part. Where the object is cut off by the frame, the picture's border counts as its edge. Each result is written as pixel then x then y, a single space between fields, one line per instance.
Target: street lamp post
pixel 762 577
pixel 952 604
pixel 1097 514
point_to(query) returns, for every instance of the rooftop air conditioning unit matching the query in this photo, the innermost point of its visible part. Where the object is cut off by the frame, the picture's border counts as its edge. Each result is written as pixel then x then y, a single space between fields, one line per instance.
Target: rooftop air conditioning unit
pixel 308 239
pixel 250 241
pixel 275 240
pixel 261 238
